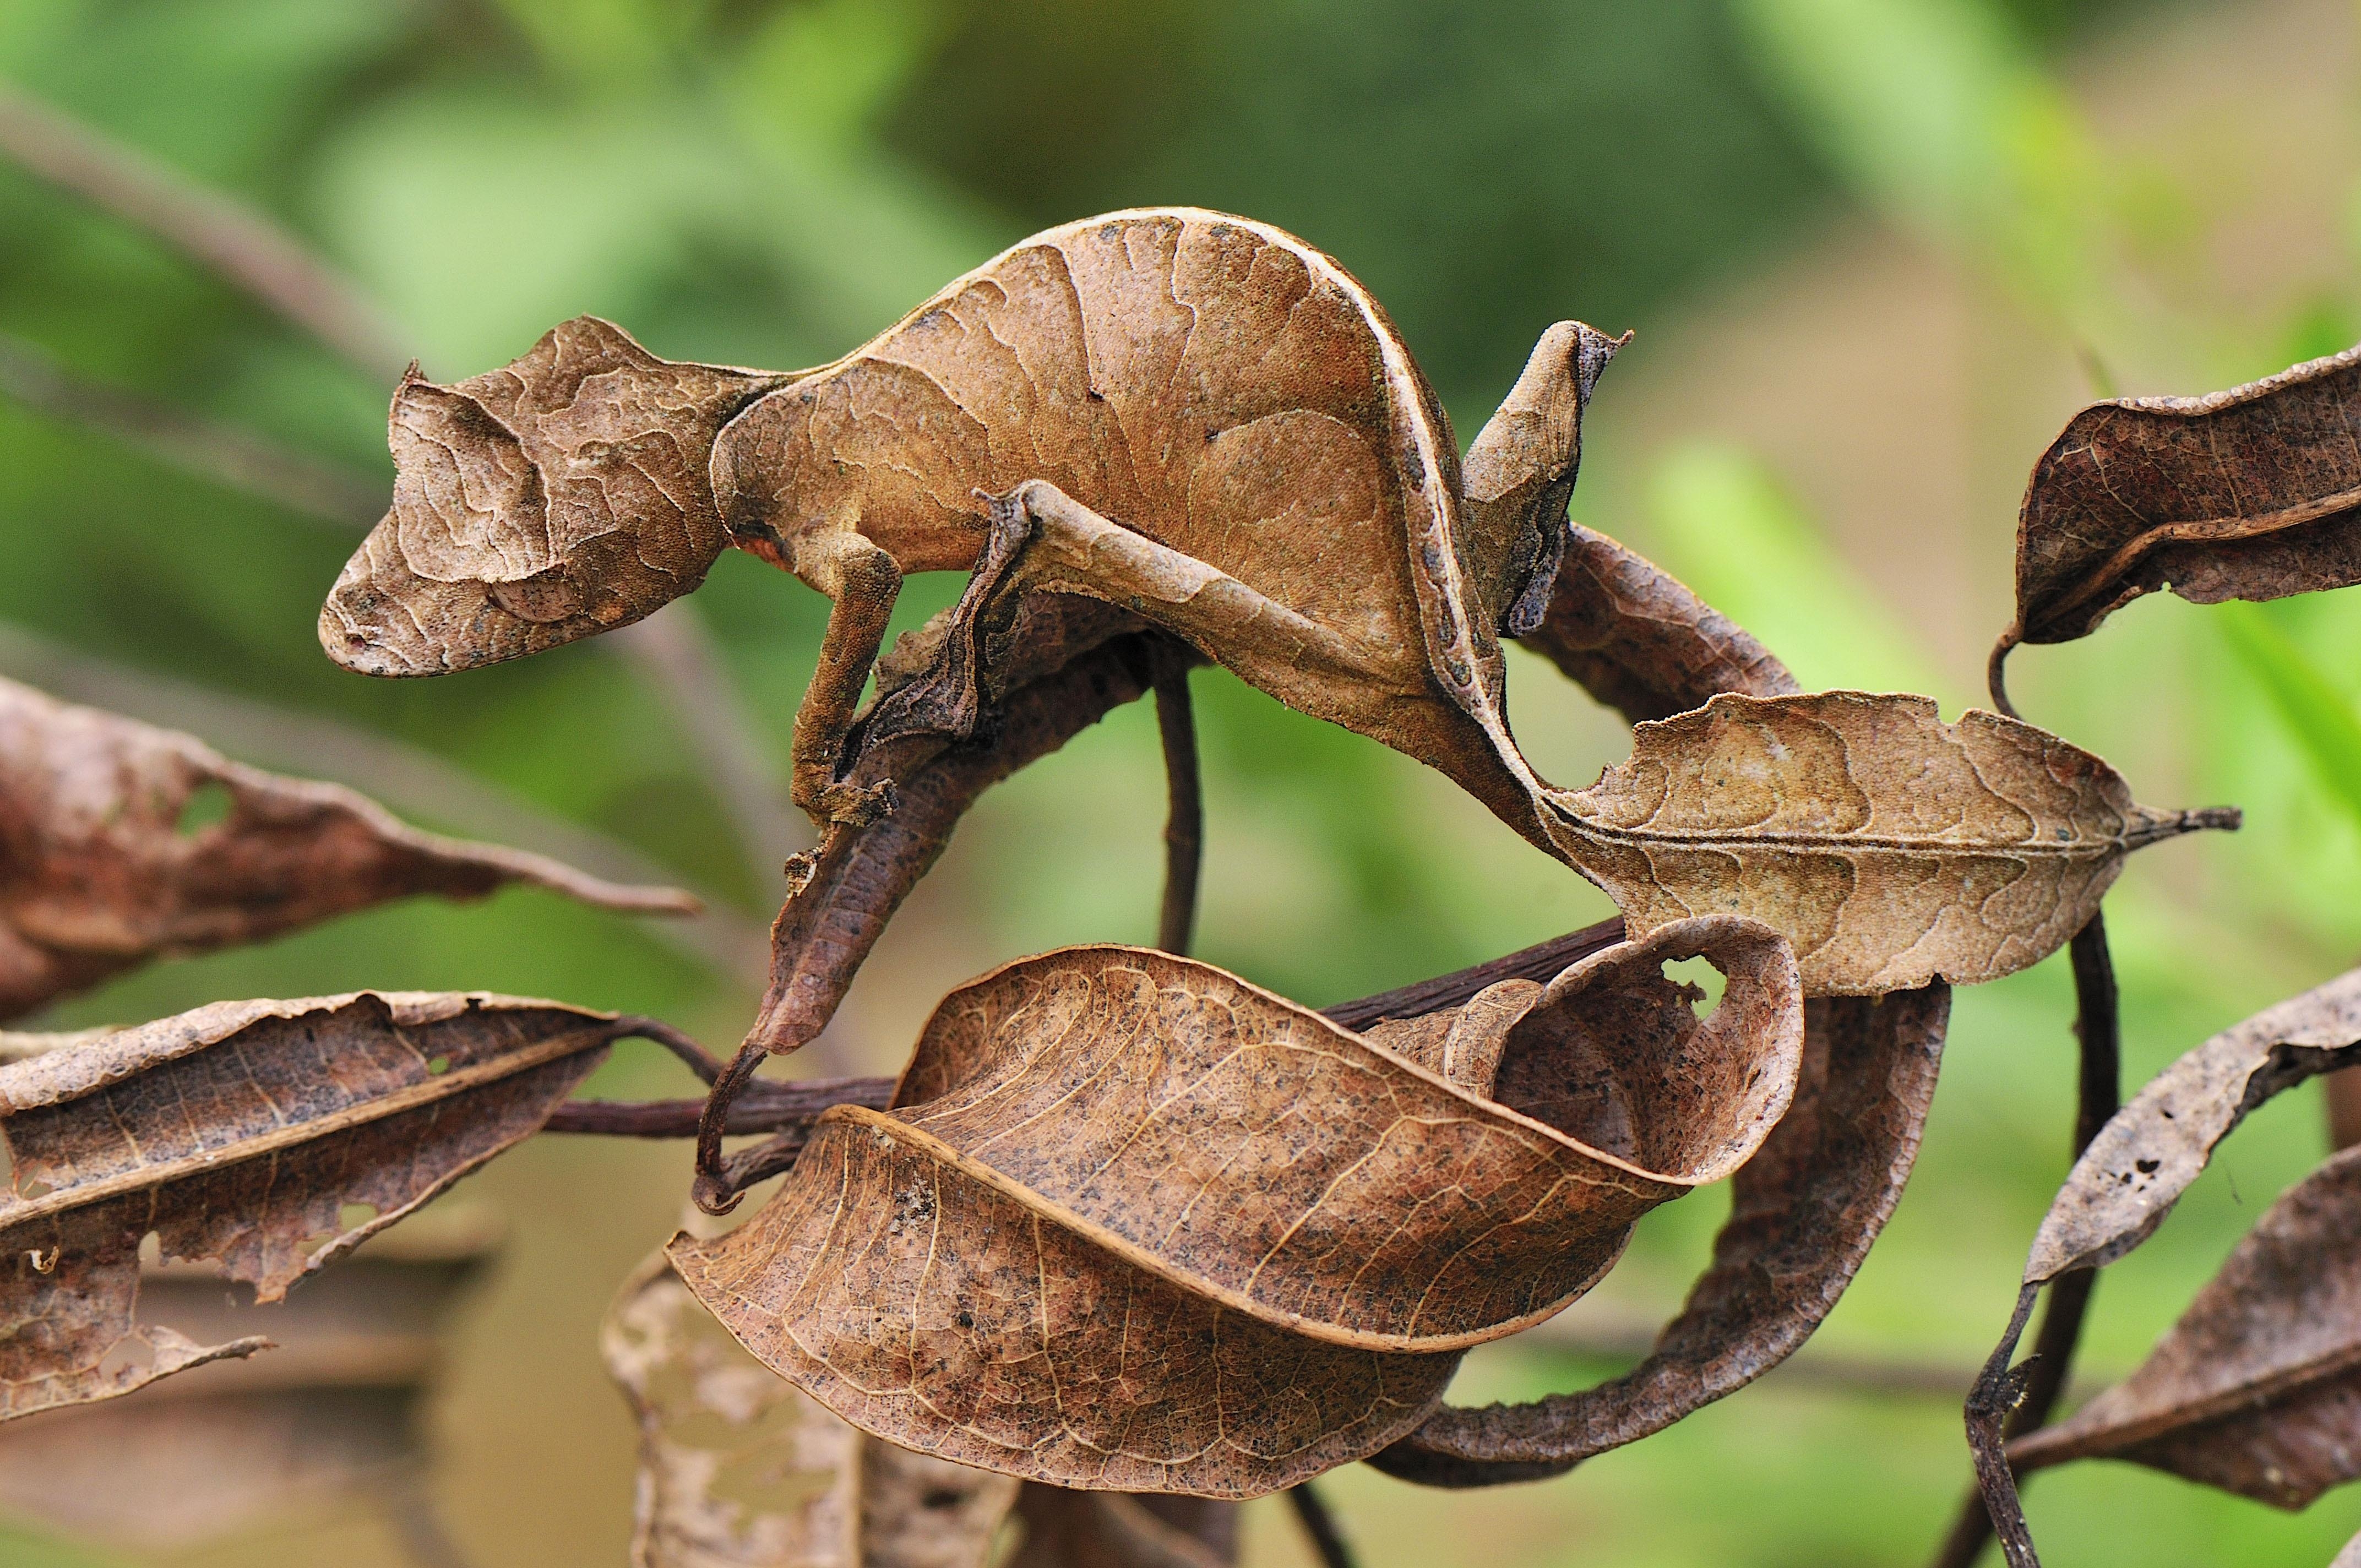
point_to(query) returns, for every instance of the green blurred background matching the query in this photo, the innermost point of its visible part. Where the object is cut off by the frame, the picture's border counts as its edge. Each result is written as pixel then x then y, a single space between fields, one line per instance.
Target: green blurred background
pixel 1875 250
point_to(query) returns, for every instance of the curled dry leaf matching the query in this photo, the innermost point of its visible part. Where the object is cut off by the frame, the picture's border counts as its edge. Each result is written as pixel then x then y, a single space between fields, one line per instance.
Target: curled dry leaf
pixel 1890 848
pixel 100 872
pixel 2247 494
pixel 333 1416
pixel 1138 1225
pixel 2145 1157
pixel 2127 1180
pixel 738 1469
pixel 2257 1389
pixel 242 1133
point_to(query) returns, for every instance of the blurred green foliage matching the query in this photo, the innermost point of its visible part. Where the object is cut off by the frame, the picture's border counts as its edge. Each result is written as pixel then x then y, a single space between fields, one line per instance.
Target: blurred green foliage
pixel 769 182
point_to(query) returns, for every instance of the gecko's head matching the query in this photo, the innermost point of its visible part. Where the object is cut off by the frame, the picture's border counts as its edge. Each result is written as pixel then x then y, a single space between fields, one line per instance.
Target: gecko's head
pixel 561 496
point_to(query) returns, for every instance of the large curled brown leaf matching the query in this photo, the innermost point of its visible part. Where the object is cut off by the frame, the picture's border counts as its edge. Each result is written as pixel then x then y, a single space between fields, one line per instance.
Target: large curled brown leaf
pixel 1889 847
pixel 333 1416
pixel 97 873
pixel 240 1133
pixel 2127 1180
pixel 2257 1389
pixel 2253 493
pixel 1191 1227
pixel 739 1469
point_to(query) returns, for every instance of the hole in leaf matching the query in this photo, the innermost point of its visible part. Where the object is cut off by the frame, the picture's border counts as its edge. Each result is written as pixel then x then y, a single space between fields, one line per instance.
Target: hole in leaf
pixel 209 803
pixel 1704 983
pixel 353 1216
pixel 438 1066
pixel 34 1188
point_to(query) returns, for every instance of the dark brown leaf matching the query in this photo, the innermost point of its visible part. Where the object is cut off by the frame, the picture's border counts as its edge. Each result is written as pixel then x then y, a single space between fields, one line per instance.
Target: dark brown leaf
pixel 2247 494
pixel 333 1416
pixel 2133 1173
pixel 103 866
pixel 738 1469
pixel 1635 638
pixel 245 1134
pixel 2257 1389
pixel 1138 1188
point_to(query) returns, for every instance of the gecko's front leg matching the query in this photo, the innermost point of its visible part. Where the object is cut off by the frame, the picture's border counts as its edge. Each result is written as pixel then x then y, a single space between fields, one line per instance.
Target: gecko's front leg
pixel 863 581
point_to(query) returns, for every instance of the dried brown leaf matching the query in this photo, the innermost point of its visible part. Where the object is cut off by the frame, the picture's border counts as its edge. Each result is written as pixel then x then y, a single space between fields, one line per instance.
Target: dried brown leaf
pixel 1888 847
pixel 2248 494
pixel 1180 1218
pixel 98 872
pixel 2127 1180
pixel 2146 1156
pixel 242 1133
pixel 739 1469
pixel 2257 1389
pixel 1806 1209
pixel 332 1415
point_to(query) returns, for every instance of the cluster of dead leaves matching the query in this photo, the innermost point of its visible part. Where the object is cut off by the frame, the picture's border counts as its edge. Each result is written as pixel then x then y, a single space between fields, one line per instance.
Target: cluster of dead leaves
pixel 1127 1223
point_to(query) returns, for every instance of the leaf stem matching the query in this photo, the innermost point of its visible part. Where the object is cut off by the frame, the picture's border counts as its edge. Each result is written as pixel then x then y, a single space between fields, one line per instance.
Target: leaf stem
pixel 1319 1527
pixel 2099 1027
pixel 1184 821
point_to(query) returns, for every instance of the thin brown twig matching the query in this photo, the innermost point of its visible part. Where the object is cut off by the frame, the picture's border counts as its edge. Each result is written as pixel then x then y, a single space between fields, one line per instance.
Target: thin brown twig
pixel 1184 820
pixel 250 251
pixel 223 455
pixel 2038 1383
pixel 1541 961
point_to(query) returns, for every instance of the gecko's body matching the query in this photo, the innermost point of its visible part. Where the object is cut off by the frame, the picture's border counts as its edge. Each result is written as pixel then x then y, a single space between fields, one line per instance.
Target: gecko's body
pixel 1196 417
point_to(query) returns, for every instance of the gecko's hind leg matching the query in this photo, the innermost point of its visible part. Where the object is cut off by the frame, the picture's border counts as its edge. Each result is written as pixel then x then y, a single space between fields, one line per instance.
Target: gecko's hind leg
pixel 946 698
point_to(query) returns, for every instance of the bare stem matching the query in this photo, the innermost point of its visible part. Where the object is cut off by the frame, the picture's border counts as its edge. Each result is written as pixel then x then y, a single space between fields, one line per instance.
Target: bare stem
pixel 1319 1527
pixel 2098 1026
pixel 245 247
pixel 1184 821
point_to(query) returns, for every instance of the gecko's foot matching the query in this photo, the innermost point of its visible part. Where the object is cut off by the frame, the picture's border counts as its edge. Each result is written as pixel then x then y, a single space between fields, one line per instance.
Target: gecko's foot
pixel 855 805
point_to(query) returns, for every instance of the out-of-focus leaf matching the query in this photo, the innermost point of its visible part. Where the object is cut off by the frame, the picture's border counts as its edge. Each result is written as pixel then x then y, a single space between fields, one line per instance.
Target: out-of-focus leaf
pixel 2321 719
pixel 333 1414
pixel 245 1134
pixel 2257 1389
pixel 741 1469
pixel 1937 113
pixel 105 861
pixel 1138 1225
